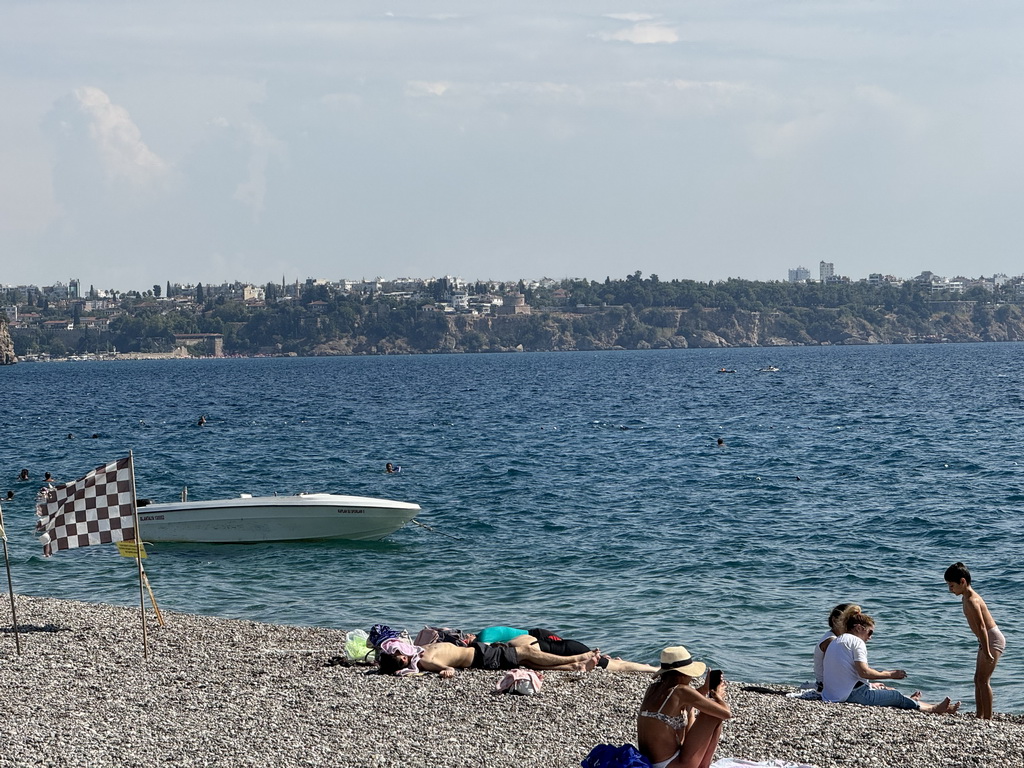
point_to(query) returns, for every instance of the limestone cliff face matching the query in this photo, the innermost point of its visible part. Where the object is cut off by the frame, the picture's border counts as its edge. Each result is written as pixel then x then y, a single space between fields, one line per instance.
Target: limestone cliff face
pixel 669 328
pixel 6 344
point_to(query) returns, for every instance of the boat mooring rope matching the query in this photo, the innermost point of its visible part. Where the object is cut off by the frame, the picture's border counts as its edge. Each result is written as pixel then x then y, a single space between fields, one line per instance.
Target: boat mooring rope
pixel 440 533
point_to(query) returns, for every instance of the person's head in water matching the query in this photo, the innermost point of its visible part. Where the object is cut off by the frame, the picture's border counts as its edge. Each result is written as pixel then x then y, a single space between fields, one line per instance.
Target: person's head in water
pixel 23 475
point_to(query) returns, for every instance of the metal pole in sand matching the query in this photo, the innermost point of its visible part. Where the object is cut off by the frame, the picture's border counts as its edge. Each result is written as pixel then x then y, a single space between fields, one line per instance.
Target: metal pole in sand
pixel 10 584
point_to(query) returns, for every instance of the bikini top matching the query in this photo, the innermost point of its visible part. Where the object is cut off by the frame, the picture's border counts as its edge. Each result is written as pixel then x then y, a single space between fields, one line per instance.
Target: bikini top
pixel 675 723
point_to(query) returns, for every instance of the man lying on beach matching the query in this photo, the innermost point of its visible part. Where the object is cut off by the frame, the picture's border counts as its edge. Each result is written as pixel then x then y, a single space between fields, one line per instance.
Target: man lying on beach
pixel 399 658
pixel 847 674
pixel 551 642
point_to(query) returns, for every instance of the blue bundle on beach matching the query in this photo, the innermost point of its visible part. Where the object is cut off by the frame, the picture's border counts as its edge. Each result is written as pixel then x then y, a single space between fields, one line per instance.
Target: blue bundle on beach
pixel 610 756
pixel 381 632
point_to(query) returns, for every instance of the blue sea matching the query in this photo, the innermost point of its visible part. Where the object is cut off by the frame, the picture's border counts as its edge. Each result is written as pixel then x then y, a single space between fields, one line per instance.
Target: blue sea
pixel 583 492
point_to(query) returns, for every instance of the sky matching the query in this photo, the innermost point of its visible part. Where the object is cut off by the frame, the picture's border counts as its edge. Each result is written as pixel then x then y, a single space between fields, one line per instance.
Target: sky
pixel 257 140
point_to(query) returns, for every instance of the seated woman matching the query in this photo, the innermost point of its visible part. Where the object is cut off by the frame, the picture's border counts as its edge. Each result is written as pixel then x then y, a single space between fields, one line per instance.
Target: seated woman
pixel 837 626
pixel 670 733
pixel 847 673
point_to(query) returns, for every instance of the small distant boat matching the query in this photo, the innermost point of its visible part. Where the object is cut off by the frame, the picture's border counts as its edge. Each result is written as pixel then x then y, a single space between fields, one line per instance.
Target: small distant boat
pixel 769 369
pixel 727 370
pixel 248 519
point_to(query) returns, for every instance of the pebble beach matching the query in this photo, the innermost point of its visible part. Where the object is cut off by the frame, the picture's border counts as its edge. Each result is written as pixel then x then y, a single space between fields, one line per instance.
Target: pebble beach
pixel 219 692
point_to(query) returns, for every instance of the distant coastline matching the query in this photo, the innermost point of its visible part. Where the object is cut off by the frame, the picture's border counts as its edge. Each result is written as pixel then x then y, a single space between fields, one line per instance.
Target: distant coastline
pixel 628 314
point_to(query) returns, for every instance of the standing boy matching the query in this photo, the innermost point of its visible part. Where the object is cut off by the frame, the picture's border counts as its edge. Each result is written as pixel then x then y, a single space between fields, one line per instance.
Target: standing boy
pixel 991 642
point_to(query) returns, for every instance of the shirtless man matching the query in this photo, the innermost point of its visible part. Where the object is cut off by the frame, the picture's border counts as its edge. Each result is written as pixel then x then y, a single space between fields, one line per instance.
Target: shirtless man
pixel 549 642
pixel 991 642
pixel 444 658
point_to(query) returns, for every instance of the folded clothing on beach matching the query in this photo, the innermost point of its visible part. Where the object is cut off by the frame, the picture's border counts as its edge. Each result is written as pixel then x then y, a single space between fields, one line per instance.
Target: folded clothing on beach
pixel 806 695
pixel 610 756
pixel 522 681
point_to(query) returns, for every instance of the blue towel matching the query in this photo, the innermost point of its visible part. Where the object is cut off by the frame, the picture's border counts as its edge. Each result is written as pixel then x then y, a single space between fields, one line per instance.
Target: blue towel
pixel 608 756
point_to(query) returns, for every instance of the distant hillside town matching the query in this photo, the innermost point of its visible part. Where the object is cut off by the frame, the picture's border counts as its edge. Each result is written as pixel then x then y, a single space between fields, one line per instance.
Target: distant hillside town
pixel 448 314
pixel 936 283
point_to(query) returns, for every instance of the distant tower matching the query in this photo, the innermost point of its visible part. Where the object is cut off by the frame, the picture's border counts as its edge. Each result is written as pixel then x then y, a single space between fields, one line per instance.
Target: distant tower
pixel 799 275
pixel 826 269
pixel 74 289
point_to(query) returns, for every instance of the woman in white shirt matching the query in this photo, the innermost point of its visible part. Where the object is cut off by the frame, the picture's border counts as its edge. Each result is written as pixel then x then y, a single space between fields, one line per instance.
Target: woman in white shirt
pixel 846 673
pixel 837 625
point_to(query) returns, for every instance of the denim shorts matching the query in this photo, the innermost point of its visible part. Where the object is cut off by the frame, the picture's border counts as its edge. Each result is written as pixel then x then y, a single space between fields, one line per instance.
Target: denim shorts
pixel 881 697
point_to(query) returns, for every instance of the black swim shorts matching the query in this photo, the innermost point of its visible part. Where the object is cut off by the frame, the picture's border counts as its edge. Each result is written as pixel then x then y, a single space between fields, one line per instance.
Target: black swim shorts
pixel 494 656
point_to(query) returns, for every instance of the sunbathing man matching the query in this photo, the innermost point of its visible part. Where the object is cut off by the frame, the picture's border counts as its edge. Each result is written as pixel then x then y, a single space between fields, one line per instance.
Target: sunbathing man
pixel 550 642
pixel 398 658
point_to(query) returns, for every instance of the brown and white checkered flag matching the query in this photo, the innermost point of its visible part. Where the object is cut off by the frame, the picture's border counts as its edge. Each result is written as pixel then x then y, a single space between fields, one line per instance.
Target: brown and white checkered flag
pixel 97 509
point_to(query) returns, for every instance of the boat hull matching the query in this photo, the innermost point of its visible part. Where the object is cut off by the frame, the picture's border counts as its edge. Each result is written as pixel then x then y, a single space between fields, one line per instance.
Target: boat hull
pixel 305 517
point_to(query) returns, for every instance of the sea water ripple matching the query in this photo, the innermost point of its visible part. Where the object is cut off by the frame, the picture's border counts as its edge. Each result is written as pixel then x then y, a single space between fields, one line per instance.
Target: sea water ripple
pixel 582 491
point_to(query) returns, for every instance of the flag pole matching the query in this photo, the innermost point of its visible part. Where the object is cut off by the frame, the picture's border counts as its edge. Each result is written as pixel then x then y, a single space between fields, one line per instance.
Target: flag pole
pixel 10 584
pixel 138 558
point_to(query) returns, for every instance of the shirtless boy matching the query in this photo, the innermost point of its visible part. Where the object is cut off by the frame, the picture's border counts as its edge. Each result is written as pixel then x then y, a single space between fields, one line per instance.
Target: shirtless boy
pixel 445 658
pixel 991 642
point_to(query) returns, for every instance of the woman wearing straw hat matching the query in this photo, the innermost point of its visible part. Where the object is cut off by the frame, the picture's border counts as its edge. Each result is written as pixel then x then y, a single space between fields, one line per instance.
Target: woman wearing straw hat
pixel 669 732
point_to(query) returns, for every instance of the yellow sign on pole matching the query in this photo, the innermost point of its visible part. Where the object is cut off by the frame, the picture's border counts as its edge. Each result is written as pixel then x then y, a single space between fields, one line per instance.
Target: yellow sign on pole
pixel 127 549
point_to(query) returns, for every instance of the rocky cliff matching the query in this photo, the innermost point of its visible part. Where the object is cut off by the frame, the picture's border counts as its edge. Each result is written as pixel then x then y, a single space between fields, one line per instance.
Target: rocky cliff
pixel 621 328
pixel 6 344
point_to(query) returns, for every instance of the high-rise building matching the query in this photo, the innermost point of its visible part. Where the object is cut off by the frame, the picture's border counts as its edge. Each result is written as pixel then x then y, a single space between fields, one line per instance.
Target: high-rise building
pixel 799 275
pixel 826 269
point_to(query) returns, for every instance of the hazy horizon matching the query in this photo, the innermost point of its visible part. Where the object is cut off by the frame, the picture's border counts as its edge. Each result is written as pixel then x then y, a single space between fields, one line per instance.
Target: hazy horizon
pixel 497 140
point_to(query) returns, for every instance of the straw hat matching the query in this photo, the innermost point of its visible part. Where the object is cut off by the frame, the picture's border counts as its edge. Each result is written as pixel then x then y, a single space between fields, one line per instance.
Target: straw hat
pixel 678 659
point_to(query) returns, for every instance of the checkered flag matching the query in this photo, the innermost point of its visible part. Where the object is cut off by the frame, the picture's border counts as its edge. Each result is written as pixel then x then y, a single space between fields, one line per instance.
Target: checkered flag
pixel 97 509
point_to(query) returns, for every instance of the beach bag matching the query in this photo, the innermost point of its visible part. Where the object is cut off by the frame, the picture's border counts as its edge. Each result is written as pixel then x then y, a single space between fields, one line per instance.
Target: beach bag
pixel 525 682
pixel 429 635
pixel 609 756
pixel 379 633
pixel 356 647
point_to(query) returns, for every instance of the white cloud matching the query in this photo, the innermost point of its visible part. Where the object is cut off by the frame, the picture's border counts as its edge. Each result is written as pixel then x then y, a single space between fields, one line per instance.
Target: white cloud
pixel 634 17
pixel 263 146
pixel 123 154
pixel 822 119
pixel 909 117
pixel 690 97
pixel 642 34
pixel 341 101
pixel 425 88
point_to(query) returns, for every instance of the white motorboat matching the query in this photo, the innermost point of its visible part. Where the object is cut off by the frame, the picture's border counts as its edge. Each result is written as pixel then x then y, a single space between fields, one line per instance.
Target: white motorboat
pixel 248 519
